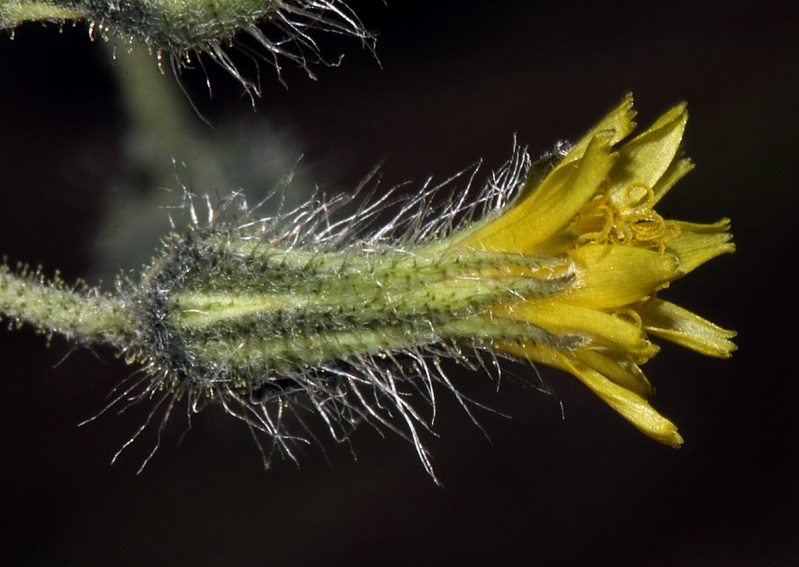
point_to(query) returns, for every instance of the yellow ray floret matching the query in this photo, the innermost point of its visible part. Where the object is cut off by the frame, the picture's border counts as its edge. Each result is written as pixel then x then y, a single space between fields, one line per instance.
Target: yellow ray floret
pixel 595 211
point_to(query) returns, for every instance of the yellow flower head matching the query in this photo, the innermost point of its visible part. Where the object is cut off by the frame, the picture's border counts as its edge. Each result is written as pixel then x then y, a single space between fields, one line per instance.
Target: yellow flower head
pixel 295 313
pixel 595 212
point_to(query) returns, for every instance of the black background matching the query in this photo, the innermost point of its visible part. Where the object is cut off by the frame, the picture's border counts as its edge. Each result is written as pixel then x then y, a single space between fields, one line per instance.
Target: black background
pixel 455 81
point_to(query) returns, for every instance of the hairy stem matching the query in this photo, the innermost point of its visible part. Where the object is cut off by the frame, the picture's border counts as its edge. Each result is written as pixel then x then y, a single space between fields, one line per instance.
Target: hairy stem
pixel 87 316
pixel 14 12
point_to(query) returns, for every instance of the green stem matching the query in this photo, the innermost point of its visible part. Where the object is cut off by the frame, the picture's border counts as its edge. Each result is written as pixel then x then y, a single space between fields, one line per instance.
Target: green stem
pixel 14 12
pixel 86 316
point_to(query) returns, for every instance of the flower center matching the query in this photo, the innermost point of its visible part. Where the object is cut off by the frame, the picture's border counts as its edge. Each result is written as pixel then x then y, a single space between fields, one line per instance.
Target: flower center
pixel 624 217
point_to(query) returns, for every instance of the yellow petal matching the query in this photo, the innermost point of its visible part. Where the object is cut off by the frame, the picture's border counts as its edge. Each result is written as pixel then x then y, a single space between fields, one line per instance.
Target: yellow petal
pixel 722 225
pixel 619 121
pixel 644 159
pixel 595 327
pixel 680 326
pixel 698 243
pixel 537 215
pixel 611 275
pixel 676 171
pixel 529 351
pixel 629 405
pixel 618 369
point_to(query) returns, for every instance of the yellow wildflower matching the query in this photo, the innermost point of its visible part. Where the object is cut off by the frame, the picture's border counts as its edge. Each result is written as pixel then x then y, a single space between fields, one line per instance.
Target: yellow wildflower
pixel 595 211
pixel 297 313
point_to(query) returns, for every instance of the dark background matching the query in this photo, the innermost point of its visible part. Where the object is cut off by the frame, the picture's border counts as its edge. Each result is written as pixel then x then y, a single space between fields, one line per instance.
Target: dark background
pixel 455 81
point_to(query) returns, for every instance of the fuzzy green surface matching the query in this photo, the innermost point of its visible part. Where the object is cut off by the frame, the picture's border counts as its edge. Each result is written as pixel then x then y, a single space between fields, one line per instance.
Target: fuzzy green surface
pixel 234 306
pixel 84 315
pixel 162 24
pixel 13 12
pixel 177 24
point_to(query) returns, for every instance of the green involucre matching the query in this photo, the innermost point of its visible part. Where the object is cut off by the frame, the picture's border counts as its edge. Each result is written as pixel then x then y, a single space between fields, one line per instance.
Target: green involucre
pixel 230 306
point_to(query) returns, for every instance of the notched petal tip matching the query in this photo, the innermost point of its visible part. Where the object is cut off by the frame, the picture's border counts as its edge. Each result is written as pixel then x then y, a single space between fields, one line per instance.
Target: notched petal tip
pixel 680 326
pixel 619 121
pixel 699 243
pixel 645 159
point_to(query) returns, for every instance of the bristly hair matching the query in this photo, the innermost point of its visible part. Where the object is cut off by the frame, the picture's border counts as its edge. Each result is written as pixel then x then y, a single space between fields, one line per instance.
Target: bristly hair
pixel 270 32
pixel 391 390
